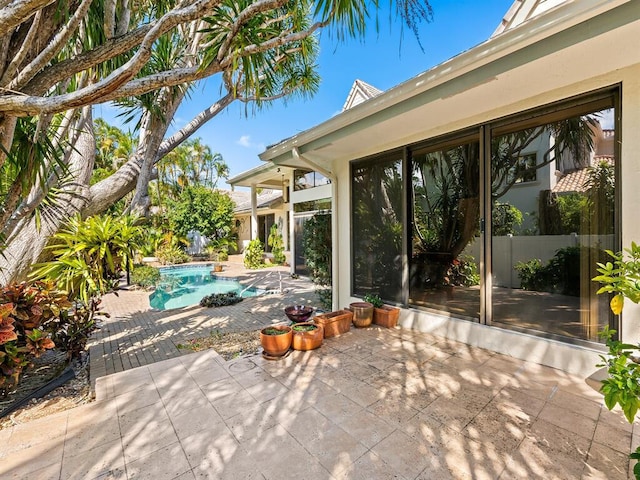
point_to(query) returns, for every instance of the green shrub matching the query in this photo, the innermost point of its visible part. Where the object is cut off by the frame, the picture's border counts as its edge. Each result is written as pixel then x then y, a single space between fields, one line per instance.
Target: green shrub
pixel 463 272
pixel 220 299
pixel 253 254
pixel 145 276
pixel 560 275
pixel 171 254
pixel 277 245
pixel 74 328
pixel 374 300
pixel 505 219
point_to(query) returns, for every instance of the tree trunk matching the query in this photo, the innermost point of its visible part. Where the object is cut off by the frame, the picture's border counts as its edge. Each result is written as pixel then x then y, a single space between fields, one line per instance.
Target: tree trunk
pixel 154 128
pixel 27 244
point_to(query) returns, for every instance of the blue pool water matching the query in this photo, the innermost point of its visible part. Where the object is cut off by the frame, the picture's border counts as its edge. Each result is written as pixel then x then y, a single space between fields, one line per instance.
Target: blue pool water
pixel 185 286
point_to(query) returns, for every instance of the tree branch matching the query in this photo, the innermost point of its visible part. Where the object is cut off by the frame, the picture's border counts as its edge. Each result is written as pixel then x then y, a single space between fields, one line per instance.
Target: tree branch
pixel 11 70
pixel 18 11
pixel 27 105
pixel 53 47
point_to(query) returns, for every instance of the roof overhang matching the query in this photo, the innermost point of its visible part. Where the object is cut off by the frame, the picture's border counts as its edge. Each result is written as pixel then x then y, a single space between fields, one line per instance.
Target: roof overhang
pixel 457 92
pixel 263 176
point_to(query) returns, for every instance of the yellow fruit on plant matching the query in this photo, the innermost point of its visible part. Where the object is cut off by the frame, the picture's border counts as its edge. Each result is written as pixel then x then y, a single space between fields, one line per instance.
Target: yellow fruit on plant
pixel 617 303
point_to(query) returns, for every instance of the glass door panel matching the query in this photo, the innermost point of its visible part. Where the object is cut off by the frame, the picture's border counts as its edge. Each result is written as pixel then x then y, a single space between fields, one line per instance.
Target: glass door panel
pixel 552 194
pixel 445 244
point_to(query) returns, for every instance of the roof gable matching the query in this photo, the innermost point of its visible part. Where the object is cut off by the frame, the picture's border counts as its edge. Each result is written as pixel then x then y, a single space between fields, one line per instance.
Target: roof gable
pixel 360 92
pixel 523 10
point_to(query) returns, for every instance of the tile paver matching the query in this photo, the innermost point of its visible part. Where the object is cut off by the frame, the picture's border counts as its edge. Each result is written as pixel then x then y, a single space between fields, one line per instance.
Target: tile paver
pixel 370 404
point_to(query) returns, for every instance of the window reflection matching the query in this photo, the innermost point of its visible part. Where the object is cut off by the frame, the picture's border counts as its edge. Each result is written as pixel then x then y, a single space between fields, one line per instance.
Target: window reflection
pixel 446 211
pixel 548 235
pixel 377 228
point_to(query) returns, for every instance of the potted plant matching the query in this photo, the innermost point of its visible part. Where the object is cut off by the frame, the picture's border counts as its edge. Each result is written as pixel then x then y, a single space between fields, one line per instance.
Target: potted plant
pixel 276 340
pixel 306 336
pixel 383 315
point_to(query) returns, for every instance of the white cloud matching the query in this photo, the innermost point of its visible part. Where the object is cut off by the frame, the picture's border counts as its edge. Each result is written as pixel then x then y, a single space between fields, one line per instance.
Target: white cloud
pixel 245 141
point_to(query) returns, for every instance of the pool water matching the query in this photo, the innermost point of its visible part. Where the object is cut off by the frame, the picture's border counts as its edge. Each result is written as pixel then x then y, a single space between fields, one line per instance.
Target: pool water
pixel 185 286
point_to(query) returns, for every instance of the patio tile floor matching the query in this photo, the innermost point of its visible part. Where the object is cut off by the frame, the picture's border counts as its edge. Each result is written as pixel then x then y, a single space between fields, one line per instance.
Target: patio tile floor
pixel 370 404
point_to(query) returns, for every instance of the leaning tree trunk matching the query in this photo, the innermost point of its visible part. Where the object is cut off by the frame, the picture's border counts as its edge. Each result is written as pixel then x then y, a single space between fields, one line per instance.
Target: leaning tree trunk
pixel 154 128
pixel 27 243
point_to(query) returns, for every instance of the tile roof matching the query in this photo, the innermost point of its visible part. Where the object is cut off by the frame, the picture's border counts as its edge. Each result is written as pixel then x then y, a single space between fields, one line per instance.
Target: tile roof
pixel 574 181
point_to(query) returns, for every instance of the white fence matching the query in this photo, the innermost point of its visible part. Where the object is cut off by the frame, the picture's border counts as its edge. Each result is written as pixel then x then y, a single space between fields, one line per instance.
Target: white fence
pixel 509 250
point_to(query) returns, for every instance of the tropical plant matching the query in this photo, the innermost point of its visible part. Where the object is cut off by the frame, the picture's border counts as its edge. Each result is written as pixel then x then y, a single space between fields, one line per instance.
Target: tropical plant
pixel 145 56
pixel 277 245
pixel 89 255
pixel 254 254
pixel 145 276
pixel 74 327
pixel 621 279
pixel 28 314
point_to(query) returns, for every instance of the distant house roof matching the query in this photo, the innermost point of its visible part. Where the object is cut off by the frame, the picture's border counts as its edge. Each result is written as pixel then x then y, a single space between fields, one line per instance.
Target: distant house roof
pixel 266 199
pixel 575 181
pixel 523 10
pixel 360 92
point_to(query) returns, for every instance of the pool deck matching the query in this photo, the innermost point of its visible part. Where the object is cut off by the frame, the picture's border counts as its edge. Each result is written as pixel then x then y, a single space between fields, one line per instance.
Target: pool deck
pixel 137 335
pixel 370 404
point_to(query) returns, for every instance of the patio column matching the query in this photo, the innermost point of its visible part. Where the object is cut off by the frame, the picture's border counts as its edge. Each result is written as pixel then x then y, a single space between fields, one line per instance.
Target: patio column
pixel 254 212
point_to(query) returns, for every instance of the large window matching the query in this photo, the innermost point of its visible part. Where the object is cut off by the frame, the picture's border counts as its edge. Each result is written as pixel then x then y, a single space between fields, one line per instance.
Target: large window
pixel 303 179
pixel 377 227
pixel 503 224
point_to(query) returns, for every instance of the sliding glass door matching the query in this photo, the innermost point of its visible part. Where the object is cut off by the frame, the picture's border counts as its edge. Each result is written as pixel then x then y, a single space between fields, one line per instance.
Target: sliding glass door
pixel 553 208
pixel 445 249
pixel 502 224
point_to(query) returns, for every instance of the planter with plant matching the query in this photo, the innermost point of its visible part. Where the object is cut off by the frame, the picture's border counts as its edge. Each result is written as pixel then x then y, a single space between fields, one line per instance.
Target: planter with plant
pixel 306 336
pixel 383 315
pixel 276 340
pixel 621 278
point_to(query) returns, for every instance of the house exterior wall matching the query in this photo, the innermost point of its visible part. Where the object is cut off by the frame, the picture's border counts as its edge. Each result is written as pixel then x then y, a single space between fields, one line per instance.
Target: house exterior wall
pixel 544 60
pixel 542 81
pixel 243 222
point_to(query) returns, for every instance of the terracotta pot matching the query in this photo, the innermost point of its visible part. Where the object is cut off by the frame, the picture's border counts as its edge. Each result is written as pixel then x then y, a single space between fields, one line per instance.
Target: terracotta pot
pixel 307 340
pixel 386 316
pixel 276 345
pixel 362 314
pixel 334 323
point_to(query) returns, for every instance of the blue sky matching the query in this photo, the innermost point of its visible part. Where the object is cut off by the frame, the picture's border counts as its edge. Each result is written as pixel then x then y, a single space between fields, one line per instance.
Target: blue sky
pixel 383 59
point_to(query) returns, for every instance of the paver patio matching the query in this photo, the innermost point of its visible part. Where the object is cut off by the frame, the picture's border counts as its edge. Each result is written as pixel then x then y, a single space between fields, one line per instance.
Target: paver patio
pixel 370 404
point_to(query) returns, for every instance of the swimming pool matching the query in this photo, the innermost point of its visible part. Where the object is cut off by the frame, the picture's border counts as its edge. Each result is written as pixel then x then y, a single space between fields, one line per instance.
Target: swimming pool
pixel 185 286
